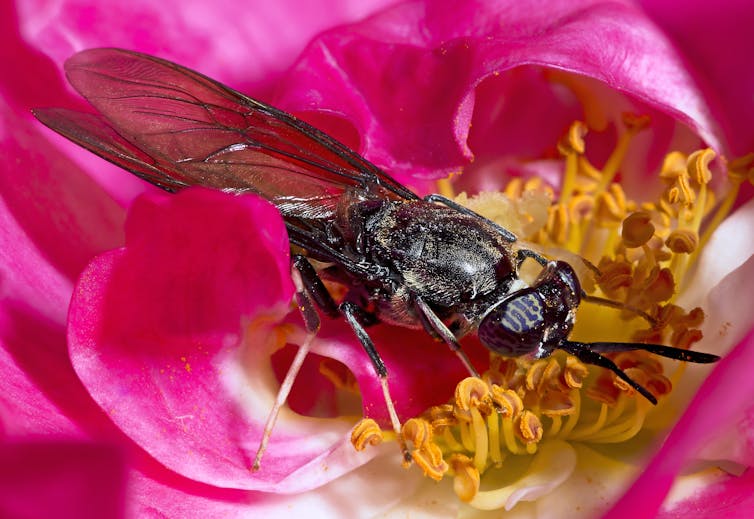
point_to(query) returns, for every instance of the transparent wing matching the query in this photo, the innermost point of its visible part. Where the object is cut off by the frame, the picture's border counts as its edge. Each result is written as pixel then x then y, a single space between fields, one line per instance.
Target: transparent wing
pixel 175 128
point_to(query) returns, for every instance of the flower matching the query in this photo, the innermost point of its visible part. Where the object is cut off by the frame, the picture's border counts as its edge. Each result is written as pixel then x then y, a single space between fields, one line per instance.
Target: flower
pixel 443 72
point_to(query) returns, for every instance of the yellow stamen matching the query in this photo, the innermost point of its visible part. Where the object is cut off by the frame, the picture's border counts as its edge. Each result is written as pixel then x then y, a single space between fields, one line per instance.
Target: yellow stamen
pixel 634 124
pixel 466 480
pixel 571 147
pixel 366 432
pixel 642 251
pixel 445 188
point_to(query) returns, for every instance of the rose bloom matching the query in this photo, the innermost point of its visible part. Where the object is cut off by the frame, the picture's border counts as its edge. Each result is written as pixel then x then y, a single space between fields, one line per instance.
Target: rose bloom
pixel 144 335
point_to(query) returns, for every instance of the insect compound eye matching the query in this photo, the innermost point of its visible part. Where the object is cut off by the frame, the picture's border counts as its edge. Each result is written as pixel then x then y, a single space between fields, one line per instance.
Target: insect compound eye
pixel 515 326
pixel 568 277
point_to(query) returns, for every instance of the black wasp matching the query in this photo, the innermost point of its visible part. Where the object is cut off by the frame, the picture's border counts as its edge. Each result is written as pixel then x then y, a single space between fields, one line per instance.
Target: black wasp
pixel 416 262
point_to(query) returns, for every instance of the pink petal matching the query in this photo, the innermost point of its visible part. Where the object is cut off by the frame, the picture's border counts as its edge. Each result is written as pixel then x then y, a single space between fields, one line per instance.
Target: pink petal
pixel 52 220
pixel 63 480
pixel 154 334
pixel 716 44
pixel 728 496
pixel 406 78
pixel 723 398
pixel 376 488
pixel 239 44
pixel 66 216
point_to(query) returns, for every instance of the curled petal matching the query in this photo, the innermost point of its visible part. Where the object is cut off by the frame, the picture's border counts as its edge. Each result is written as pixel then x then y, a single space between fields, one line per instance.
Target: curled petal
pixel 407 78
pixel 714 42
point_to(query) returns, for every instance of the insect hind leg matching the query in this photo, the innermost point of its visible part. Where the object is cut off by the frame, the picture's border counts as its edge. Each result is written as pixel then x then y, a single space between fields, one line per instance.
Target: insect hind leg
pixel 311 322
pixel 311 294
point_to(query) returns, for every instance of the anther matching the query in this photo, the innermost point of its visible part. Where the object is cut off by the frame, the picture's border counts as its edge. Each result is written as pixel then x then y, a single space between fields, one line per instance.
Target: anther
pixel 429 458
pixel 660 286
pixel 507 401
pixel 530 427
pixel 574 139
pixel 466 480
pixel 418 431
pixel 575 372
pixel 471 393
pixel 365 433
pixel 636 122
pixel 673 165
pixel 698 165
pixel 637 229
pixel 682 241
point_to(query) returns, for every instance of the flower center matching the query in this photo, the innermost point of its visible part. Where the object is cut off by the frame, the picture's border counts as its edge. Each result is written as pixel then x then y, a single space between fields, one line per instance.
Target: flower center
pixel 633 253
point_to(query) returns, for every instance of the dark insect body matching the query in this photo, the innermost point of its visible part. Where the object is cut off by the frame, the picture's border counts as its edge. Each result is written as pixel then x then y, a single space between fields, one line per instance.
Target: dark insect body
pixel 417 262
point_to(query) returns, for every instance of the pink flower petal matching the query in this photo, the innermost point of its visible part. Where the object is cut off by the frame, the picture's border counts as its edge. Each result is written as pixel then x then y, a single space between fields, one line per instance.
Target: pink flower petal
pixel 723 398
pixel 715 42
pixel 53 219
pixel 154 334
pixel 61 479
pixel 239 44
pixel 372 491
pixel 725 496
pixel 61 211
pixel 406 78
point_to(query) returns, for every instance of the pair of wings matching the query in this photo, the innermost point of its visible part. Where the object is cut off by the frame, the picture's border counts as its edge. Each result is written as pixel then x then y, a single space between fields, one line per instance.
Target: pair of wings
pixel 177 128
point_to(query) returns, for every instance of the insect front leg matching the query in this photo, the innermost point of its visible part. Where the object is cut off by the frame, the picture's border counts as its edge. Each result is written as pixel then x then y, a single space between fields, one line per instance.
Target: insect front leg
pixel 522 254
pixel 437 328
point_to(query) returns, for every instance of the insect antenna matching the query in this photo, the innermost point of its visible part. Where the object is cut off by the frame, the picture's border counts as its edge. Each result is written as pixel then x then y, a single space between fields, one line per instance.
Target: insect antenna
pixel 585 353
pixel 669 352
pixel 618 306
pixel 590 354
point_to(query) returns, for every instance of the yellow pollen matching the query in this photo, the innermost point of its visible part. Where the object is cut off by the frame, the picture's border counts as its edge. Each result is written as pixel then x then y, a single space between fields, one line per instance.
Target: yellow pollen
pixel 366 432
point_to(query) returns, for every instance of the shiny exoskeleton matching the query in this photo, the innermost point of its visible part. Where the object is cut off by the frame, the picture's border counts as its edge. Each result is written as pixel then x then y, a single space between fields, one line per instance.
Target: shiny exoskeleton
pixel 408 261
pixel 454 262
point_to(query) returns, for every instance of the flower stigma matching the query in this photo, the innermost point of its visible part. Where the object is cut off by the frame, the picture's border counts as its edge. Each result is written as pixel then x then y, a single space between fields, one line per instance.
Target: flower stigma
pixel 508 436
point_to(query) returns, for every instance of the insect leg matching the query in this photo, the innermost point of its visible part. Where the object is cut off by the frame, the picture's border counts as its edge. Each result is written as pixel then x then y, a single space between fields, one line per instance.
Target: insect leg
pixel 436 198
pixel 314 286
pixel 438 328
pixel 299 274
pixel 586 355
pixel 522 254
pixel 350 312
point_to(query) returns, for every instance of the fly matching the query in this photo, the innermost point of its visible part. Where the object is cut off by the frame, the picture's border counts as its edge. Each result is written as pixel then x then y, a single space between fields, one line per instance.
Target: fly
pixel 426 263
